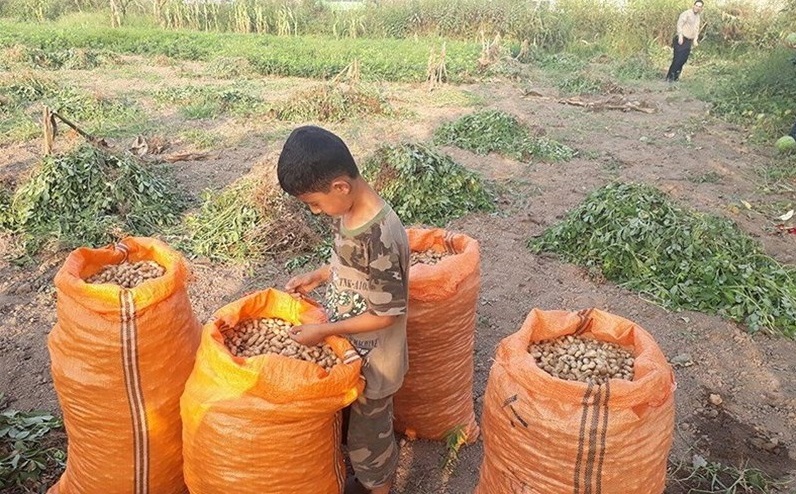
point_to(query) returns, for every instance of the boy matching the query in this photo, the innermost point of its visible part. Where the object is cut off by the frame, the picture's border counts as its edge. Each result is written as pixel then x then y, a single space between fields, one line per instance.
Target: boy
pixel 367 290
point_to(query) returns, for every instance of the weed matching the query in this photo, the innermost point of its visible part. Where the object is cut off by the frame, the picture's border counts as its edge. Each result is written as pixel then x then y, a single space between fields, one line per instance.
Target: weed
pixel 580 83
pixel 711 177
pixel 90 196
pixel 678 258
pixel 758 94
pixel 425 187
pixel 97 114
pixel 66 59
pixel 229 67
pixel 454 440
pixel 199 102
pixel 489 131
pixel 702 477
pixel 248 220
pixel 26 459
pixel 201 139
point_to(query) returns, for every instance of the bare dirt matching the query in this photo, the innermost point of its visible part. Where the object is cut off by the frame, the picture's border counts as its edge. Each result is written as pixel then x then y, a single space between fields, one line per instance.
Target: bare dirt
pixel 680 149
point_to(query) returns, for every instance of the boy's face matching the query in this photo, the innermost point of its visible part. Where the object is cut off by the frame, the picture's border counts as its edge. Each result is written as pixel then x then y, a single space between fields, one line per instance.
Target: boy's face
pixel 335 203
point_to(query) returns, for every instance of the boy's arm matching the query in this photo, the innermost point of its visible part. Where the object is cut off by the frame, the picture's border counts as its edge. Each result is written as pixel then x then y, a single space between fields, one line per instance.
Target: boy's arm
pixel 312 334
pixel 307 282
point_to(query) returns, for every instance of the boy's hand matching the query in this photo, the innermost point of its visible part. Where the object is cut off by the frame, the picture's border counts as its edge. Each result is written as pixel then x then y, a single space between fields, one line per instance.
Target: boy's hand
pixel 305 283
pixel 309 334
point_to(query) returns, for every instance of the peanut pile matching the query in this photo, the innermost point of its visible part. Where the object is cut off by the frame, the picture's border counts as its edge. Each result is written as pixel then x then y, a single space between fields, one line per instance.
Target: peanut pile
pixel 128 274
pixel 270 335
pixel 573 358
pixel 427 257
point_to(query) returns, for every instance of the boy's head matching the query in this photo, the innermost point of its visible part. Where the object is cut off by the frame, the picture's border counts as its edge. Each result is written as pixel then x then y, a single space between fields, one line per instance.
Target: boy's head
pixel 316 167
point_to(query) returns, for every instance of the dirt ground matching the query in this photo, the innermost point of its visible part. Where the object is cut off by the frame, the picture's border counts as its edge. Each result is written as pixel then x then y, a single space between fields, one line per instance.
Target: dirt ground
pixel 755 424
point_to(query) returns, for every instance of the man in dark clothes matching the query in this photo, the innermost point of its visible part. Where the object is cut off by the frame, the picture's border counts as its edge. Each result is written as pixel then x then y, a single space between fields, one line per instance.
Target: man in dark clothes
pixel 687 35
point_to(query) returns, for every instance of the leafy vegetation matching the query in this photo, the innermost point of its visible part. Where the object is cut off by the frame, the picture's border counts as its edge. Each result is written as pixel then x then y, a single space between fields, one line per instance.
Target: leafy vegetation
pixel 27 454
pixel 318 57
pixel 248 220
pixel 681 259
pixel 197 102
pixel 67 59
pixel 425 187
pixel 489 131
pixel 22 96
pixel 90 196
pixel 757 93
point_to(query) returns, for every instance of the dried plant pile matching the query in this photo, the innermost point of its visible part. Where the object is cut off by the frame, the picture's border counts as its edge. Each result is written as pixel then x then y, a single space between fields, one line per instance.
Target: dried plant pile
pixel 250 219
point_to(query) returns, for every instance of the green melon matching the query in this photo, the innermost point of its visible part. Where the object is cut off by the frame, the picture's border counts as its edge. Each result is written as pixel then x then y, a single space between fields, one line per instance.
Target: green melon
pixel 786 144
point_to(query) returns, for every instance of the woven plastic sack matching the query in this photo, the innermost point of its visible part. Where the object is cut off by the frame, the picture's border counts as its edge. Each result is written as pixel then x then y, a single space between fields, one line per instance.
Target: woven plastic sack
pixel 544 435
pixel 120 358
pixel 436 399
pixel 267 424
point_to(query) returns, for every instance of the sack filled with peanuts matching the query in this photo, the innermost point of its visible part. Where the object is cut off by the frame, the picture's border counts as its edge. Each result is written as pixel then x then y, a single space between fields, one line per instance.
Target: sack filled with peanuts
pixel 577 402
pixel 121 351
pixel 436 399
pixel 260 411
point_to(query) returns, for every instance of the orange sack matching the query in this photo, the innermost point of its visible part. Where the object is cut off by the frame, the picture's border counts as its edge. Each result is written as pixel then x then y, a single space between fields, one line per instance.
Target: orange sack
pixel 267 424
pixel 544 435
pixel 120 359
pixel 436 398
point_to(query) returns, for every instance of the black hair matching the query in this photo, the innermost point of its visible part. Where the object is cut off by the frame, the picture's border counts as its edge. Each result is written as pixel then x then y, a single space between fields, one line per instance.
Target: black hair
pixel 311 159
pixel 699 2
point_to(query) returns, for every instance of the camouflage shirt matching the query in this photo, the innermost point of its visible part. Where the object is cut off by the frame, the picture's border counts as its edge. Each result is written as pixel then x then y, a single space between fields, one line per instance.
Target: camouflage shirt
pixel 370 273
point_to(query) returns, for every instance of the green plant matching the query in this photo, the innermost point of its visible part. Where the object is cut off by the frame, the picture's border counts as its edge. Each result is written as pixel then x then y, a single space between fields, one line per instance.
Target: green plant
pixel 580 83
pixel 248 220
pixel 27 455
pixel 703 477
pixel 759 94
pixel 23 94
pixel 454 440
pixel 424 186
pixel 200 138
pixel 489 131
pixel 198 102
pixel 91 196
pixel 678 258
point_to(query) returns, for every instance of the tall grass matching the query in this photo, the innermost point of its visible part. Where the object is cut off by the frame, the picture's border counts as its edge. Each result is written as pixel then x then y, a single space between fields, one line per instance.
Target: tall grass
pixel 566 23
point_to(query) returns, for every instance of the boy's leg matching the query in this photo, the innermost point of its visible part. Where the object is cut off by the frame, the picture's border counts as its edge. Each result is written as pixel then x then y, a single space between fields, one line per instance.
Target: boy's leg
pixel 371 443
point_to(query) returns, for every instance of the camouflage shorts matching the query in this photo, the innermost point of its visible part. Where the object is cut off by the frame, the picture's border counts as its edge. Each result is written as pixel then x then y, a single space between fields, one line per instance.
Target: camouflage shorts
pixel 371 441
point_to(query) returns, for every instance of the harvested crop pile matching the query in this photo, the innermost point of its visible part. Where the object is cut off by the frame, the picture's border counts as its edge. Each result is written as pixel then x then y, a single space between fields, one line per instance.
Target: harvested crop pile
pixel 91 196
pixel 427 257
pixel 495 131
pixel 128 274
pixel 424 186
pixel 249 219
pixel 635 235
pixel 333 102
pixel 270 335
pixel 573 358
